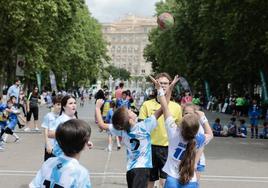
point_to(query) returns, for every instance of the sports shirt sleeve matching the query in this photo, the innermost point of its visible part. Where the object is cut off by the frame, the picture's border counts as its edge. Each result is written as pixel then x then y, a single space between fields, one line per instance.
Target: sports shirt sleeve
pixel 37 181
pixel 84 180
pixel 200 140
pixel 114 131
pixel 45 122
pixel 171 127
pixel 150 123
pixel 203 120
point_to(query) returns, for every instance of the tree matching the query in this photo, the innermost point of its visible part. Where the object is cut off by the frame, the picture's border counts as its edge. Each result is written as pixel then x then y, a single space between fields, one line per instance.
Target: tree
pixel 115 72
pixel 52 35
pixel 219 42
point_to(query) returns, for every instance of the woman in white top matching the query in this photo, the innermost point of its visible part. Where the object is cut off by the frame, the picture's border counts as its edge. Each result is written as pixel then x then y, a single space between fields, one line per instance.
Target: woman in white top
pixel 68 111
pixel 185 145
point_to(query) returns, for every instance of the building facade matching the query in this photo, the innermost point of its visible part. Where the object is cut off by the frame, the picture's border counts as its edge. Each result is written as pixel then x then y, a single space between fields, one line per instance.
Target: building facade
pixel 127 39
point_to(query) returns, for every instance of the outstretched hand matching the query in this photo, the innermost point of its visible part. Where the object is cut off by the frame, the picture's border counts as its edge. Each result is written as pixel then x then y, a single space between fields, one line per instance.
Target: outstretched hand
pixel 174 81
pixel 99 103
pixel 156 83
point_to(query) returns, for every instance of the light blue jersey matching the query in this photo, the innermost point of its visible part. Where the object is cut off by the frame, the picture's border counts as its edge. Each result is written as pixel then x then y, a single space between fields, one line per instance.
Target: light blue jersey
pixel 62 172
pixel 57 151
pixel 138 143
pixel 49 124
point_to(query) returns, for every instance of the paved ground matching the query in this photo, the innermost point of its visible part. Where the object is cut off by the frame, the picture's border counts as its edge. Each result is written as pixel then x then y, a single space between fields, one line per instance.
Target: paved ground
pixel 231 162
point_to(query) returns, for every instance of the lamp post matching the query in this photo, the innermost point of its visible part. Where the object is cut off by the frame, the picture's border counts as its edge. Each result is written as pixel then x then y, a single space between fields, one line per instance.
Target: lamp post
pixel 110 83
pixel 143 83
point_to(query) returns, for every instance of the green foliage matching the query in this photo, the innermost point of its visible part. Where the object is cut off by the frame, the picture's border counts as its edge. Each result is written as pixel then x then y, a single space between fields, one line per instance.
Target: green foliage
pixel 115 72
pixel 52 35
pixel 221 41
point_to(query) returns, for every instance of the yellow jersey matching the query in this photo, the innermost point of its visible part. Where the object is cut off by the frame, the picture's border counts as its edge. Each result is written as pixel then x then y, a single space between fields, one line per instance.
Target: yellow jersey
pixel 159 134
pixel 106 107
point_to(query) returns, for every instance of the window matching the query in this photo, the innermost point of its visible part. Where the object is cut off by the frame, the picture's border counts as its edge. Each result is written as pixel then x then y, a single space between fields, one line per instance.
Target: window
pixel 118 48
pixel 125 49
pixel 130 49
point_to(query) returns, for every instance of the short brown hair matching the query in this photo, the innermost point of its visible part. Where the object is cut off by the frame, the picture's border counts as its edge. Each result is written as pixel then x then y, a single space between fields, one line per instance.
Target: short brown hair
pixel 120 119
pixel 163 74
pixel 57 99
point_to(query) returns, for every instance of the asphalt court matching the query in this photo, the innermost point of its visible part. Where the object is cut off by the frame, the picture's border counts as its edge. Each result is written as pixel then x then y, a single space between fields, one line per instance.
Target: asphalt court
pixel 231 162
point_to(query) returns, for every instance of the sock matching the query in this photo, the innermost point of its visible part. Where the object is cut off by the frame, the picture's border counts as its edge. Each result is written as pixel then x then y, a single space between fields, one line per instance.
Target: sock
pixel 252 132
pixel 256 132
pixel 4 137
pixel 15 135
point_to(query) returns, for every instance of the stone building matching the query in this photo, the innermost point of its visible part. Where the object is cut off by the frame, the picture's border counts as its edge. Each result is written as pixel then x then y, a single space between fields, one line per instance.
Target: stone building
pixel 127 39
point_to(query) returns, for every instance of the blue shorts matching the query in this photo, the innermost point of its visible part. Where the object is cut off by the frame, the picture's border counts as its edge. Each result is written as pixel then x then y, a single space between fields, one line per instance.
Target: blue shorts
pixel 12 123
pixel 3 124
pixel 200 168
pixel 254 122
pixel 174 183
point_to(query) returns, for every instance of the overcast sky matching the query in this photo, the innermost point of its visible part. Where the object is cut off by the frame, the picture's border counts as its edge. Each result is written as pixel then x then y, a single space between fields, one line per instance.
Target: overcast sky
pixel 110 10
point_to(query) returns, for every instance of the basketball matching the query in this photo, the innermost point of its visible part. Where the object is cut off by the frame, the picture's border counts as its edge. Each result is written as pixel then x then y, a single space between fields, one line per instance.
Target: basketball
pixel 165 20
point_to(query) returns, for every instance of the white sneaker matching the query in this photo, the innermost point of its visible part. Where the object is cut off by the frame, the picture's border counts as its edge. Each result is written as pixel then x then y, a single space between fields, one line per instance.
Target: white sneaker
pixel 27 129
pixel 4 137
pixel 17 140
pixel 118 147
pixel 36 129
pixel 2 148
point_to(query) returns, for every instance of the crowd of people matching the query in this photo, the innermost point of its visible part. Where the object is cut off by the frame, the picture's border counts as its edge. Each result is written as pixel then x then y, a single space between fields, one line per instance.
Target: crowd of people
pixel 164 138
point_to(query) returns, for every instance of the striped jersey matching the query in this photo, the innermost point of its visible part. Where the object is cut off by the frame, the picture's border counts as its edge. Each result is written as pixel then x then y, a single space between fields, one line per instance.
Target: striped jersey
pixel 138 143
pixel 61 172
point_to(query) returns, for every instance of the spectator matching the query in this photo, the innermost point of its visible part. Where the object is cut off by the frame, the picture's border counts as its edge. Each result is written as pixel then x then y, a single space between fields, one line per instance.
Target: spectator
pixel 123 101
pixel 196 100
pixel 118 92
pixel 32 108
pixel 217 128
pixel 232 127
pixel 242 130
pixel 187 98
pixel 254 113
pixel 14 90
pixel 264 134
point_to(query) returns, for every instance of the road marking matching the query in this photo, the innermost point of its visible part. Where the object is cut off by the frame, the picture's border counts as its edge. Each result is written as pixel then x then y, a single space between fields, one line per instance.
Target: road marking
pixel 105 168
pixel 105 174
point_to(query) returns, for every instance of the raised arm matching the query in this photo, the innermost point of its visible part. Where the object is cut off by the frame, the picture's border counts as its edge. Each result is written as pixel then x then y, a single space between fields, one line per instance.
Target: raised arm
pixel 170 88
pixel 162 99
pixel 101 123
pixel 205 124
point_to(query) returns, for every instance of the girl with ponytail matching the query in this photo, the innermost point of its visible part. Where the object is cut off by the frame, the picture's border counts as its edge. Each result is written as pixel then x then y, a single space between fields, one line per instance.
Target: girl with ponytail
pixel 185 145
